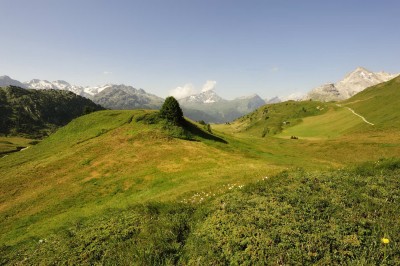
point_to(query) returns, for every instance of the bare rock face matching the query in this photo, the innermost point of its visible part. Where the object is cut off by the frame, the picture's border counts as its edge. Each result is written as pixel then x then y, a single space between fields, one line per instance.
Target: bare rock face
pixel 353 83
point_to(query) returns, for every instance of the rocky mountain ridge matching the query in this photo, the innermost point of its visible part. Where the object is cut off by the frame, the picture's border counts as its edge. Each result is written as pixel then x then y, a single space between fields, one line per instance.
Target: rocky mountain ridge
pixel 353 83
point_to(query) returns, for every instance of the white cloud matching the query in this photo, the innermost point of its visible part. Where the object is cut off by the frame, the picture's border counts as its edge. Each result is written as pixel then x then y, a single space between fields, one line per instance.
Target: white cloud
pixel 209 85
pixel 107 72
pixel 296 96
pixel 184 91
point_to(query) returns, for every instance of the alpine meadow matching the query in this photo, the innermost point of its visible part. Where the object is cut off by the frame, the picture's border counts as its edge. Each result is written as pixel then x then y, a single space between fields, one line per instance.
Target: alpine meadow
pixel 249 144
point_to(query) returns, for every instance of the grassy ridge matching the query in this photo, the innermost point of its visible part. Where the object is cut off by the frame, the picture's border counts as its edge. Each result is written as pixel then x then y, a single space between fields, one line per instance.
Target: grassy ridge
pixel 111 159
pixel 296 217
pixel 272 119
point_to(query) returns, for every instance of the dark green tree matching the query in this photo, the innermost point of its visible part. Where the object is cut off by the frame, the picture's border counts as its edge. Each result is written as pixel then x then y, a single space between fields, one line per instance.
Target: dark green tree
pixel 171 111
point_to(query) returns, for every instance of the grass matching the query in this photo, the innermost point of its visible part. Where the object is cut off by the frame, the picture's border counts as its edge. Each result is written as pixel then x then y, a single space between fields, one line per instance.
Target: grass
pixel 108 160
pixel 322 127
pixel 379 104
pixel 13 144
pixel 156 193
pixel 272 119
pixel 297 217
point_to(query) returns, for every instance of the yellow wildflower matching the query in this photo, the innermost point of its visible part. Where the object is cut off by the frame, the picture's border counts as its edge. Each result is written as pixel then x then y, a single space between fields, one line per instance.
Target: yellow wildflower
pixel 385 240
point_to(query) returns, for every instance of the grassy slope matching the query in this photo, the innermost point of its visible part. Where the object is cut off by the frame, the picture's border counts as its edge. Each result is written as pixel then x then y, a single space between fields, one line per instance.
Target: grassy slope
pixel 294 218
pixel 108 160
pixel 111 160
pixel 272 119
pixel 379 104
pixel 299 218
pixel 13 144
pixel 315 120
pixel 332 124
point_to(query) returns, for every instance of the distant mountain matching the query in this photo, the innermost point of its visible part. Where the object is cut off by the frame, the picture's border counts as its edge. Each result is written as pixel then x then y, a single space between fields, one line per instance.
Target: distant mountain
pixel 207 105
pixel 212 108
pixel 353 83
pixel 275 99
pixel 7 81
pixel 110 96
pixel 36 113
pixel 38 84
pixel 209 96
pixel 126 97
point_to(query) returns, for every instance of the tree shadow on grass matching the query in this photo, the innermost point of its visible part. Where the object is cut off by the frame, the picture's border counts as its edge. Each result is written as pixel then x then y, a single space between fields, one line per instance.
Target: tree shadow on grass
pixel 196 131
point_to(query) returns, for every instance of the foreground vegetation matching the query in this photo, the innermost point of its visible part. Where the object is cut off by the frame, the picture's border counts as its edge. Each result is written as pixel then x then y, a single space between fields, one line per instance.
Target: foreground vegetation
pixel 347 216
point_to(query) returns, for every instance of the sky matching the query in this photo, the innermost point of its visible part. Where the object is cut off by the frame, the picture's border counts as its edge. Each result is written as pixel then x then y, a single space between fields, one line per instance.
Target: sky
pixel 180 47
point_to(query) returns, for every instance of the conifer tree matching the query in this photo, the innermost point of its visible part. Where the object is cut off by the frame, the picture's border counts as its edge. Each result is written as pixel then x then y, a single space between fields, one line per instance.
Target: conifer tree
pixel 171 110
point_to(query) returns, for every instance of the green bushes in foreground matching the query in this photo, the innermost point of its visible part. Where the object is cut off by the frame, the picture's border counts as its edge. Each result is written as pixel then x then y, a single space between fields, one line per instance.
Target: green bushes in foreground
pixel 296 218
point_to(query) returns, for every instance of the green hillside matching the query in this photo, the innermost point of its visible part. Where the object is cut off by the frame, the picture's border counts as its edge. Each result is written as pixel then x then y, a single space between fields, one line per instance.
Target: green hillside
pixel 37 113
pixel 334 123
pixel 126 187
pixel 316 120
pixel 272 119
pixel 111 159
pixel 379 104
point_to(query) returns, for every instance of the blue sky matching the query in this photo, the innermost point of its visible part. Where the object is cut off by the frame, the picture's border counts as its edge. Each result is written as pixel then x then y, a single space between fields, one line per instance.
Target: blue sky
pixel 270 47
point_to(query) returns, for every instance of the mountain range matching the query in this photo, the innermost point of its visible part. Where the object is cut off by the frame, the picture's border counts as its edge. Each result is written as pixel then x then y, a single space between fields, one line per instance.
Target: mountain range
pixel 210 107
pixel 207 105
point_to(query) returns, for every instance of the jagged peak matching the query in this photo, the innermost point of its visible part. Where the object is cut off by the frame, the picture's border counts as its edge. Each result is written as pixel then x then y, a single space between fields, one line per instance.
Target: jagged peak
pixel 360 68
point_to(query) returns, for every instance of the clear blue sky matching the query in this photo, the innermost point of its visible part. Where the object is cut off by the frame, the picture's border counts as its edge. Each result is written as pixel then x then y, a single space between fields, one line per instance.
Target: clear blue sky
pixel 269 47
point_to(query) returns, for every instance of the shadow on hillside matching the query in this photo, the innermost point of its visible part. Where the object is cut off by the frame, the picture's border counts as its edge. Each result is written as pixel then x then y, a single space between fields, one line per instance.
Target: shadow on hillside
pixel 196 131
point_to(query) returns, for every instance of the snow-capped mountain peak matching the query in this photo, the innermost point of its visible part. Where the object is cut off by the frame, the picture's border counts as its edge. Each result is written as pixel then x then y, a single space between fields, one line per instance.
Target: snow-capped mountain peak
pixel 354 82
pixel 209 96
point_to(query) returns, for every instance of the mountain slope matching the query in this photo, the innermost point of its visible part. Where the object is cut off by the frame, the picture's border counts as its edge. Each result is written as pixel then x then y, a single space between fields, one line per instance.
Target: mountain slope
pixel 120 187
pixel 111 159
pixel 35 113
pixel 374 109
pixel 379 104
pixel 352 84
pixel 272 119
